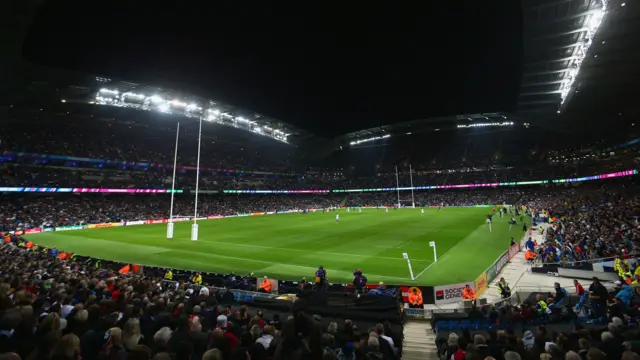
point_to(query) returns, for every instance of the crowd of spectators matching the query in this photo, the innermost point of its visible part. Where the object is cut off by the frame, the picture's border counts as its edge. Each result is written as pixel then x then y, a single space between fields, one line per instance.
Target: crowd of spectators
pixel 67 310
pixel 615 341
pixel 81 174
pixel 120 144
pixel 588 322
pixel 592 222
pixel 112 139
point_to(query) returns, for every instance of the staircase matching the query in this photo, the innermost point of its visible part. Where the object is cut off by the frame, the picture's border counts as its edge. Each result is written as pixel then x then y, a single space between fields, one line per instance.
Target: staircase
pixel 419 341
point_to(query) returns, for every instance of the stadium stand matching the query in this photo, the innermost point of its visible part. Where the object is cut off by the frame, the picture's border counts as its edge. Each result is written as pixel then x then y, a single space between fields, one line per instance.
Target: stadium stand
pixel 94 308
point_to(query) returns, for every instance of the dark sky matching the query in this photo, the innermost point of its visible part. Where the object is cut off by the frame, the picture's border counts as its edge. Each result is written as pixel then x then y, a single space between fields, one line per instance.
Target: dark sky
pixel 328 67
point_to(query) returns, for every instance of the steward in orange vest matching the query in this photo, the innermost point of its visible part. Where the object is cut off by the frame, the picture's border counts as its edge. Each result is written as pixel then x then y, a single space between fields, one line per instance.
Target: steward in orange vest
pixel 265 286
pixel 468 293
pixel 415 299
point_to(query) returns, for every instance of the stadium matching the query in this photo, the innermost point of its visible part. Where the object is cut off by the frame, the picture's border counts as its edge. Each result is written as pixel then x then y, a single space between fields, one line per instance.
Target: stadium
pixel 152 220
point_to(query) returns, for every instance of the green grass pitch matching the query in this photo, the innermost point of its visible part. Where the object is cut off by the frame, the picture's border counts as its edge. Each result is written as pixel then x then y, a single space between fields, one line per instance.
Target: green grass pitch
pixel 292 246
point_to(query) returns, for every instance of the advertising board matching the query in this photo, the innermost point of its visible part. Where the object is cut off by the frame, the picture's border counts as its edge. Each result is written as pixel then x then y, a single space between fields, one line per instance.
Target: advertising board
pixel 69 228
pixel 481 284
pixel 514 250
pixel 447 294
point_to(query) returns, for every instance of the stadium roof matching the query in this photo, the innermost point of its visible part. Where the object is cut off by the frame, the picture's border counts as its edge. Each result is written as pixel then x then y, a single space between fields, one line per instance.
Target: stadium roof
pixel 573 44
pixel 388 82
pixel 580 59
pixel 37 85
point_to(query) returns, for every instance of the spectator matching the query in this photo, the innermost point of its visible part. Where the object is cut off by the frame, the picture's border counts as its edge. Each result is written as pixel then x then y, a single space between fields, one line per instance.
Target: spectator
pixel 68 348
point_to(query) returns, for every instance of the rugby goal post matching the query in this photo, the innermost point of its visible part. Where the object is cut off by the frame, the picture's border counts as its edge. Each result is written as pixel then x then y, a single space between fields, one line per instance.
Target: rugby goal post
pixel 406 257
pixel 435 260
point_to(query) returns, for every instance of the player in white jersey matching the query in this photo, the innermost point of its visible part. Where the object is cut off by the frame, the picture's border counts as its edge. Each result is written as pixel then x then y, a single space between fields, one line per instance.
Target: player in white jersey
pixel 421 212
pixel 348 209
pixel 360 209
pixel 337 217
pixel 386 210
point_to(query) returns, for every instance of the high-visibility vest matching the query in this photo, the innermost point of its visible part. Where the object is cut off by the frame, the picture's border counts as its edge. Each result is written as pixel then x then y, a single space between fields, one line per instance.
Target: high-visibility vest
pixel 468 294
pixel 415 299
pixel 168 275
pixel 29 245
pixel 197 279
pixel 543 305
pixel 501 286
pixel 266 285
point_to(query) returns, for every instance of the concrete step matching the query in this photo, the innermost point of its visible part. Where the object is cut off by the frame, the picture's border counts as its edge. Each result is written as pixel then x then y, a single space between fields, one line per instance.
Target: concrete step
pixel 419 341
pixel 418 354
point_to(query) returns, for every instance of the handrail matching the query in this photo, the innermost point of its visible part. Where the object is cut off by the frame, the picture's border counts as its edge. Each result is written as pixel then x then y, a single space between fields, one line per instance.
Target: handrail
pixel 588 261
pixel 235 291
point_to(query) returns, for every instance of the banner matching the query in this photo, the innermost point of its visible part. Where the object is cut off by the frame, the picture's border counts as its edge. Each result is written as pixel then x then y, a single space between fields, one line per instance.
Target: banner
pixel 270 212
pixel 100 226
pixel 448 294
pixel 481 284
pixel 33 231
pixel 215 217
pixel 242 215
pixel 491 272
pixel 48 229
pixel 139 222
pixel 178 220
pixel 514 250
pixel 256 214
pixel 69 228
pixel 155 221
pixel 502 261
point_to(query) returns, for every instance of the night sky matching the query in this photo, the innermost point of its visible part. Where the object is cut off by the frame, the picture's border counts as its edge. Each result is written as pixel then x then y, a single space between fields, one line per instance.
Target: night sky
pixel 329 68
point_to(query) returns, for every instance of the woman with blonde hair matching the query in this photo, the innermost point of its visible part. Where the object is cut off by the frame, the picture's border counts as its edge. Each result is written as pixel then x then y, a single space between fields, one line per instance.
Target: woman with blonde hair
pixel 213 354
pixel 113 349
pixel 68 348
pixel 51 323
pixel 131 334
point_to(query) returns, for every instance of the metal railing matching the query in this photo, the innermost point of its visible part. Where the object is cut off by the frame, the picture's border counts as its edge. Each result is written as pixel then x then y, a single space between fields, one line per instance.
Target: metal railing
pixel 240 295
pixel 634 255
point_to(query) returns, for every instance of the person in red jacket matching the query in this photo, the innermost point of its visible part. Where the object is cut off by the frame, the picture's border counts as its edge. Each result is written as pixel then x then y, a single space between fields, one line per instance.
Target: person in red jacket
pixel 221 325
pixel 579 288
